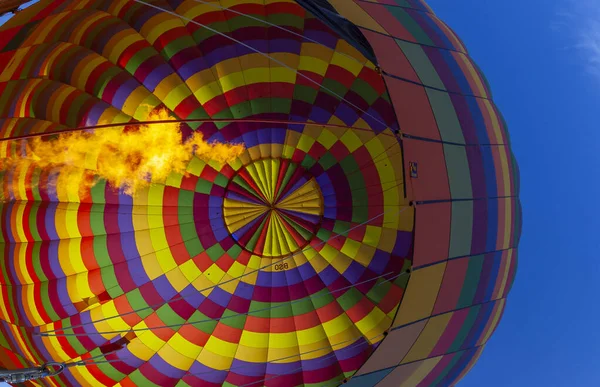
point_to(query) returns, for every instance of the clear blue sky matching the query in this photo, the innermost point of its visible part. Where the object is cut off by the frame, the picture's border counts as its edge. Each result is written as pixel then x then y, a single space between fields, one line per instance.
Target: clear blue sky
pixel 542 58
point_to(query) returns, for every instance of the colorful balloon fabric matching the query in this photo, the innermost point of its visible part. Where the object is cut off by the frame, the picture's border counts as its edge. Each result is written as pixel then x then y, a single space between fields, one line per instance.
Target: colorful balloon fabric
pixel 367 235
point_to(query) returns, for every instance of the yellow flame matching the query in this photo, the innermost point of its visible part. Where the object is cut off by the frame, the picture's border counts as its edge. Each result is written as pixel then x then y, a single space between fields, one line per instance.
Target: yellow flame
pixel 128 160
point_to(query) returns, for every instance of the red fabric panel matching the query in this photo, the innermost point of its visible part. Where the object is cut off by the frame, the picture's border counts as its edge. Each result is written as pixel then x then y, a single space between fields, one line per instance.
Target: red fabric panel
pixel 432 233
pixel 412 109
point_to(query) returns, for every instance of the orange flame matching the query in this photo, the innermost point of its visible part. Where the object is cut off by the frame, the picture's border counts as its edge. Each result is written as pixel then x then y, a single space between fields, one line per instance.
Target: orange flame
pixel 126 160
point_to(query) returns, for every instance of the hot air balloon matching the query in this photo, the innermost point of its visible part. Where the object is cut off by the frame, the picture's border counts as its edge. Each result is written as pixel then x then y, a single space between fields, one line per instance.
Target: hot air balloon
pixel 365 235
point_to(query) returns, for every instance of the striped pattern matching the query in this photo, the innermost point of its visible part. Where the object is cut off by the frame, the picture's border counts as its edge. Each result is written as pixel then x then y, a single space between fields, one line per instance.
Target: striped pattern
pixel 467 219
pixel 321 184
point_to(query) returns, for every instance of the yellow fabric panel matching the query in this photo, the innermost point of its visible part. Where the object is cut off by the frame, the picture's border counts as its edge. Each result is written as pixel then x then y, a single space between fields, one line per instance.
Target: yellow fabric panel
pixel 175 357
pixel 81 29
pixel 428 338
pixel 353 12
pixel 424 369
pixel 421 293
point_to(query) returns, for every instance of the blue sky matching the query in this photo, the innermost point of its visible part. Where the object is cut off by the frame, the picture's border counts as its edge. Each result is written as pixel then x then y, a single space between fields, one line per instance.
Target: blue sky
pixel 542 58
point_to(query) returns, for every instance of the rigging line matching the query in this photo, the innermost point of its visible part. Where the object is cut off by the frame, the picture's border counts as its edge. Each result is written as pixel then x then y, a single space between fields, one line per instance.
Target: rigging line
pixel 187 120
pixel 263 54
pixel 275 262
pixel 281 305
pixel 217 6
pixel 89 359
pixel 329 346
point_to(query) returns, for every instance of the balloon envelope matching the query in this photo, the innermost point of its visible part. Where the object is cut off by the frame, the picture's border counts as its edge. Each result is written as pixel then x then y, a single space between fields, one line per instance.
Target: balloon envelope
pixel 366 235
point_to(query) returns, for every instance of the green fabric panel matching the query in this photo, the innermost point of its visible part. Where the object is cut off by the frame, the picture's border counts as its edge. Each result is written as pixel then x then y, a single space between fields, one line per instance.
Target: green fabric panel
pixel 308 162
pixel 48 307
pixel 379 291
pixel 410 24
pixel 99 27
pixel 103 79
pixel 233 319
pixel 203 186
pixel 140 380
pixel 467 293
pixel 137 302
pixel 37 266
pixel 110 371
pixel 461 229
pixel 7 98
pixel 350 298
pixel 341 227
pixel 222 115
pixel 201 34
pixel 208 324
pixel 221 180
pixel 20 37
pixel 281 105
pixel 110 281
pixel 247 108
pixel 75 343
pixel 234 251
pixel 35 180
pixel 286 20
pixel 33 228
pixel 28 67
pixel 305 93
pixel 75 110
pixel 138 58
pixel 321 298
pixel 97 218
pixel 449 367
pixel 175 46
pixel 302 306
pixel 327 161
pixel 421 64
pixel 188 229
pixel 194 246
pixel 445 116
pixel 281 310
pixel 260 309
pixel 185 199
pixel 330 85
pixel 324 234
pixel 168 316
pixel 466 327
pixel 101 251
pixel 238 22
pixel 459 174
pixel 97 195
pixel 215 252
pixel 365 90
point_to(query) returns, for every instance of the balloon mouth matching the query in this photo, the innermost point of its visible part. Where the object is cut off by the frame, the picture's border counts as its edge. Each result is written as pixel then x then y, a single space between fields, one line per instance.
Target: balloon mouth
pixel 273 207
